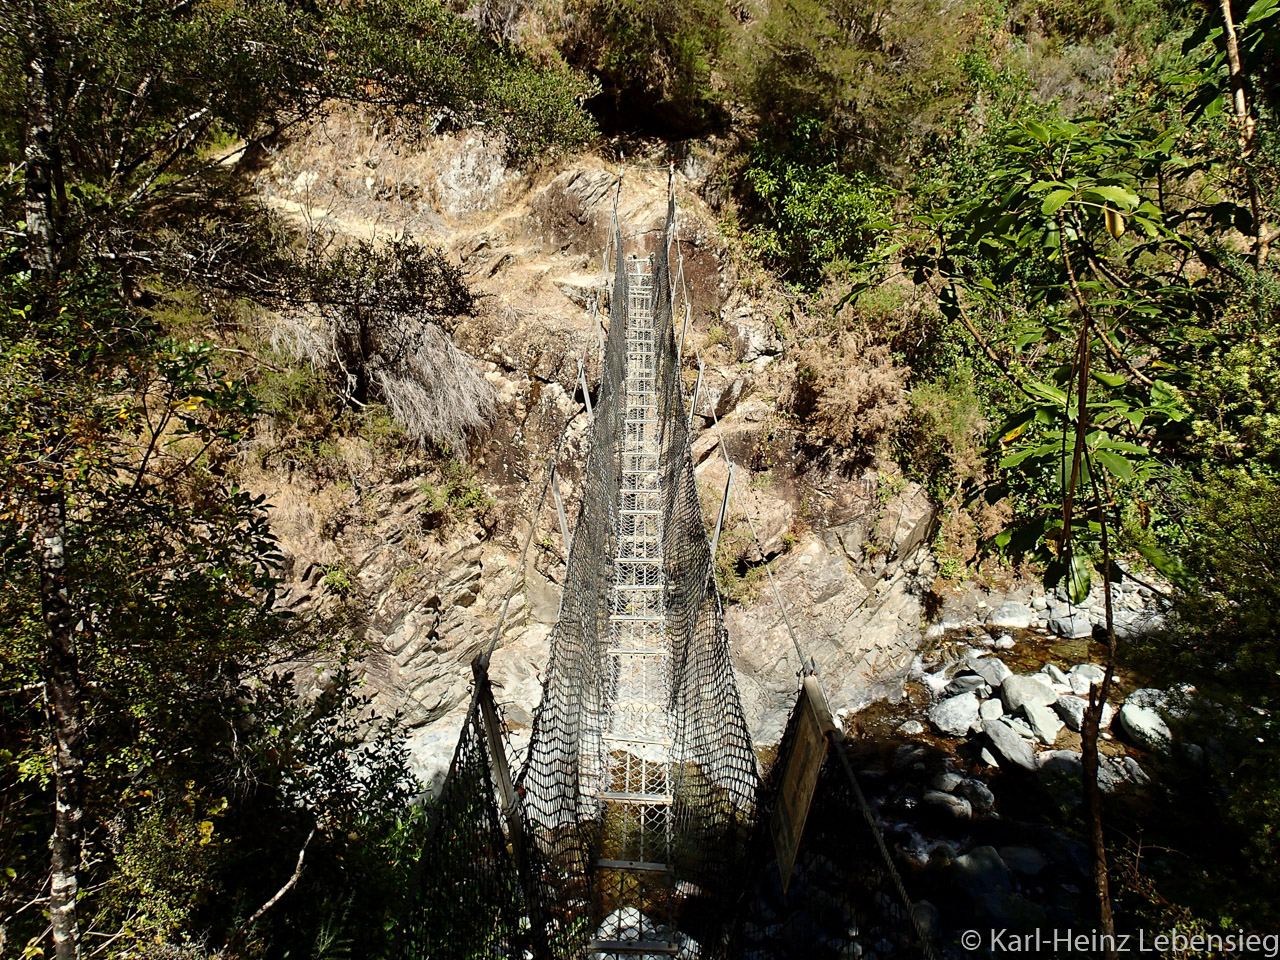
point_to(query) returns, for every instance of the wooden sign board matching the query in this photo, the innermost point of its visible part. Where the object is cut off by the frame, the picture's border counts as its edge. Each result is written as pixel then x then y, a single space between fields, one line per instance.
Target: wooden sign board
pixel 800 778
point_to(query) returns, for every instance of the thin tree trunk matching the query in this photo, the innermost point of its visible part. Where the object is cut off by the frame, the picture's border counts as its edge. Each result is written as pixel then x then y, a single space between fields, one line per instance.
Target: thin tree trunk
pixel 1089 749
pixel 1247 126
pixel 62 671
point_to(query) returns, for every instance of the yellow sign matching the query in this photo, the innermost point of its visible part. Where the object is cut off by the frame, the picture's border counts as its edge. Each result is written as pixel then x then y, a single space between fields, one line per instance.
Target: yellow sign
pixel 800 778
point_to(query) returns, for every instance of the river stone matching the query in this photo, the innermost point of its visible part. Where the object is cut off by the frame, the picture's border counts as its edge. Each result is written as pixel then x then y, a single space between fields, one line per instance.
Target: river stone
pixel 1021 727
pixel 1145 727
pixel 966 683
pixel 956 715
pixel 987 757
pixel 990 669
pixel 1027 861
pixel 1059 763
pixel 1054 673
pixel 1073 627
pixel 1005 642
pixel 955 807
pixel 1090 671
pixel 946 782
pixel 980 872
pixel 1039 603
pixel 991 710
pixel 1044 722
pixel 1010 748
pixel 1011 616
pixel 1018 690
pixel 1078 684
pixel 911 728
pixel 978 794
pixel 1071 709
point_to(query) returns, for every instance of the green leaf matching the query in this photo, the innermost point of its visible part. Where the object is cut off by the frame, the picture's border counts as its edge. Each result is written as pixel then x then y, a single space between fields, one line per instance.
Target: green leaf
pixel 1048 392
pixel 1114 464
pixel 1117 195
pixel 1260 11
pixel 1053 202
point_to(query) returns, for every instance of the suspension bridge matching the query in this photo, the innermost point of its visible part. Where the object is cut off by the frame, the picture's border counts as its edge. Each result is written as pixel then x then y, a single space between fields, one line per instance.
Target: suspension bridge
pixel 638 825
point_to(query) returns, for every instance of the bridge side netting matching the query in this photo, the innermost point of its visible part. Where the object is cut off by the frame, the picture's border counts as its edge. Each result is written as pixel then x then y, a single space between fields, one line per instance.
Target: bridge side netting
pixel 844 898
pixel 565 750
pixel 715 765
pixel 466 900
pixel 713 768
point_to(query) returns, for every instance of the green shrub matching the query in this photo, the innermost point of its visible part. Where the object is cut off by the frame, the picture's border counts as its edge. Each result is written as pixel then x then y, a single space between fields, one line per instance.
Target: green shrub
pixel 653 58
pixel 810 216
pixel 455 496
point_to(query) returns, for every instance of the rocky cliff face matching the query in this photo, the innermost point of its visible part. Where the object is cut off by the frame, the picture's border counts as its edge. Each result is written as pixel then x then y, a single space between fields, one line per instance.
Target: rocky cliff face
pixel 849 546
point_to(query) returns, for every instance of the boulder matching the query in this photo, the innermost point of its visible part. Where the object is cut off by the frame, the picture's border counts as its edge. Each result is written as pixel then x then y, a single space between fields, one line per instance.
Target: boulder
pixel 1027 861
pixel 1054 673
pixel 946 782
pixel 955 716
pixel 980 872
pixel 1059 763
pixel 1018 690
pixel 991 709
pixel 1071 627
pixel 966 683
pixel 1044 722
pixel 956 808
pixel 1091 672
pixel 1021 727
pixel 1010 749
pixel 1011 616
pixel 1144 727
pixel 990 669
pixel 1071 709
pixel 979 795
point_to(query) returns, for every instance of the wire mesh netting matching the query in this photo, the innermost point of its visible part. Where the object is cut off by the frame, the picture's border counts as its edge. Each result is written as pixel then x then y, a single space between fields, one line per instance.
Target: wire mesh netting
pixel 466 900
pixel 844 898
pixel 640 777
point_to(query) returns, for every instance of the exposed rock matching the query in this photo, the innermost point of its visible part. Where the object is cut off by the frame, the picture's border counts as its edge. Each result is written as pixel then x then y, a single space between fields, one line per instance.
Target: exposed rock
pixel 1011 750
pixel 980 872
pixel 1027 861
pixel 946 782
pixel 990 669
pixel 991 709
pixel 911 728
pixel 1145 727
pixel 1091 672
pixel 1018 690
pixel 978 794
pixel 951 806
pixel 1059 763
pixel 1071 627
pixel 1054 673
pixel 1011 616
pixel 966 683
pixel 1071 709
pixel 1044 722
pixel 956 715
pixel 1021 727
pixel 1005 642
pixel 752 339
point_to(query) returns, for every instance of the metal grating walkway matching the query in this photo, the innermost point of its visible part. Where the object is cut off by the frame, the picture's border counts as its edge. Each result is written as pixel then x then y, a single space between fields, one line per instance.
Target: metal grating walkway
pixel 633 871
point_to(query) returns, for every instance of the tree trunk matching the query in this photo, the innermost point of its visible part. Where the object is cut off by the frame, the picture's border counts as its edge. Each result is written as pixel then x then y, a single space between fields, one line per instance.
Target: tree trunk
pixel 62 670
pixel 1247 126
